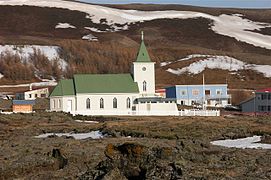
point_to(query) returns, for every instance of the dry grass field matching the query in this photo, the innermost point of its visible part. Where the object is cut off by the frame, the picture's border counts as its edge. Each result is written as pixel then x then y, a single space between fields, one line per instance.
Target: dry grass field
pixel 133 148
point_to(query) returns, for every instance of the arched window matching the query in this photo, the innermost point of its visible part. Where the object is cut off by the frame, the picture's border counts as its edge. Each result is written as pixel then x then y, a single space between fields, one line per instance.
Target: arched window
pixel 88 103
pixel 101 103
pixel 128 102
pixel 59 103
pixel 144 86
pixel 54 104
pixel 115 103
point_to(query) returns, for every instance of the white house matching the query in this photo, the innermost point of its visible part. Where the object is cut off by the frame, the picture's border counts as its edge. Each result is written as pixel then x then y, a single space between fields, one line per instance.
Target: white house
pixel 32 94
pixel 114 94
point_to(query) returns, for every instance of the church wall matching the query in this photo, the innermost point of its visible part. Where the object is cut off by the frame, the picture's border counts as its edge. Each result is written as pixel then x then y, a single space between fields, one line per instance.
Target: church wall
pixel 108 103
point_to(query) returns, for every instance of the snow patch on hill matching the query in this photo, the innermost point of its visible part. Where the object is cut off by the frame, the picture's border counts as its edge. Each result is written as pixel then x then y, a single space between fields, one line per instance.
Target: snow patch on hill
pixel 229 25
pixel 93 29
pixel 64 26
pixel 217 62
pixel 24 52
pixel 243 143
pixel 90 37
pixel 44 83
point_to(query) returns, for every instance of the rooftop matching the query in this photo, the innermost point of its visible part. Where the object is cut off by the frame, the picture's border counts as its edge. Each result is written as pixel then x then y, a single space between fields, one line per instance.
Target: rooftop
pixel 266 90
pixel 143 55
pixel 96 83
pixel 23 102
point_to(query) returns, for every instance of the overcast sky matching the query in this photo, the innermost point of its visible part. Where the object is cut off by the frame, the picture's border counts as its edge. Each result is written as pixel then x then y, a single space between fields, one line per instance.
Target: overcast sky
pixel 208 3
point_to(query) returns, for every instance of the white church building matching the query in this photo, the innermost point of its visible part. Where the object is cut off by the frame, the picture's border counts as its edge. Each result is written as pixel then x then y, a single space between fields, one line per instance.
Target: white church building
pixel 114 94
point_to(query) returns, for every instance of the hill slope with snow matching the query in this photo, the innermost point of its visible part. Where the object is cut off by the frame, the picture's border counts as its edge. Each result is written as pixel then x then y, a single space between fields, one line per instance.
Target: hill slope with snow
pixel 233 25
pixel 87 38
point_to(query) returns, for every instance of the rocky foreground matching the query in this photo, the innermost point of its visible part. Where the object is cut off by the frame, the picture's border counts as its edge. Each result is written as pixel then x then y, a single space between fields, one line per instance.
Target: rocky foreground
pixel 132 148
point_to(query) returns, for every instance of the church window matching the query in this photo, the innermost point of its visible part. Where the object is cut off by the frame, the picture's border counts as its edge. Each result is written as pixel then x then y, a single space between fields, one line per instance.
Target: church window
pixel 115 103
pixel 54 103
pixel 59 103
pixel 144 69
pixel 128 103
pixel 144 86
pixel 101 103
pixel 88 103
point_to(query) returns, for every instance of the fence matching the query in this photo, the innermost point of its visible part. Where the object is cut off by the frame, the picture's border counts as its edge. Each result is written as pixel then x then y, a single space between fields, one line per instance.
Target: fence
pixel 186 112
pixel 196 112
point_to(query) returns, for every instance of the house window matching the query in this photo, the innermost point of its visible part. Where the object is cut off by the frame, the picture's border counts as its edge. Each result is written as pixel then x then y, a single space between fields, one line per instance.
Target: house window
pixel 183 92
pixel 36 95
pixel 88 103
pixel 54 104
pixel 128 103
pixel 218 92
pixel 144 86
pixel 115 103
pixel 195 92
pixel 264 96
pixel 30 95
pixel 101 103
pixel 208 92
pixel 59 103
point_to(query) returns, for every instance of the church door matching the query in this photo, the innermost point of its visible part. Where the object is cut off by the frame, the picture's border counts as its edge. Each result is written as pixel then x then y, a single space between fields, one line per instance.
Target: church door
pixel 69 106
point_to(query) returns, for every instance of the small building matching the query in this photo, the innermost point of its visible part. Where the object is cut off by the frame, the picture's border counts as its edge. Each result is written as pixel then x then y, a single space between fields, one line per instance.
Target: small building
pixel 260 103
pixel 22 106
pixel 33 94
pixel 215 95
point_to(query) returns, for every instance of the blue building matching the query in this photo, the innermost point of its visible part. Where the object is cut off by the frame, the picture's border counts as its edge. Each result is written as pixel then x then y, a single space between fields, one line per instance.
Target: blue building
pixel 215 95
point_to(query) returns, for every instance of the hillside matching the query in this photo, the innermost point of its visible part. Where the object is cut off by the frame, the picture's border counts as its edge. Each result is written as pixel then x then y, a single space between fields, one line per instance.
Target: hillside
pixel 104 39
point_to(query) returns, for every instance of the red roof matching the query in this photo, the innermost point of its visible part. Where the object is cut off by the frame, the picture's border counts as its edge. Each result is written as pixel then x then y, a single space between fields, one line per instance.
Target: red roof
pixel 160 90
pixel 267 90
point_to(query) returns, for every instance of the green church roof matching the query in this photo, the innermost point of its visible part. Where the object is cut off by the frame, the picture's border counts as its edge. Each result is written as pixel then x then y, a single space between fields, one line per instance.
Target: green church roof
pixel 96 83
pixel 105 83
pixel 64 88
pixel 143 55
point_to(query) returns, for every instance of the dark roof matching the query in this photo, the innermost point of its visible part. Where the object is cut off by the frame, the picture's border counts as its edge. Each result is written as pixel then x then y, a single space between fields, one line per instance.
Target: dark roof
pixel 154 99
pixel 245 101
pixel 23 102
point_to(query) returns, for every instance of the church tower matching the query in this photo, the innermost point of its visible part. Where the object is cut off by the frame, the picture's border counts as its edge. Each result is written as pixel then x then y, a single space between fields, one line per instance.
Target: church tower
pixel 143 71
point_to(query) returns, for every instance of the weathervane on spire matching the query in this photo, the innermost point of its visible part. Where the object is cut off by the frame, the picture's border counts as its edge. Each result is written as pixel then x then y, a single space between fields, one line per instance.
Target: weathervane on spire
pixel 142 35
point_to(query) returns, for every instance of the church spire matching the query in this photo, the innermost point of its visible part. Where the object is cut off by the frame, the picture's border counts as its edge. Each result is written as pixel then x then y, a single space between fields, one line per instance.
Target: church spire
pixel 143 55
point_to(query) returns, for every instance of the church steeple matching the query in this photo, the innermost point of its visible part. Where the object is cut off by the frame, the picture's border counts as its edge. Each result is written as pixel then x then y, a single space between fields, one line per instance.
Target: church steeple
pixel 143 55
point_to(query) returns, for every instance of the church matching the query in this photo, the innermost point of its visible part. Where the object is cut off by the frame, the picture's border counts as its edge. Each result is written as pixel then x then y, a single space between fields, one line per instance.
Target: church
pixel 114 94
